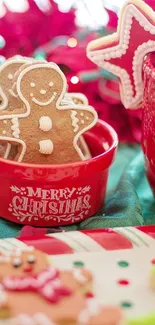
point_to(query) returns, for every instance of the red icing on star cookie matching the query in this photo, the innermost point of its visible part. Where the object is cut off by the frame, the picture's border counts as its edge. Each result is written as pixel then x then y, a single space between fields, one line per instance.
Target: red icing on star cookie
pixel 123 52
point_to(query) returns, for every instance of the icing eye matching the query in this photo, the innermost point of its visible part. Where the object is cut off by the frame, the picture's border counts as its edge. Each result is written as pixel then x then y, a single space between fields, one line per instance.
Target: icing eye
pixel 31 259
pixel 10 76
pixel 32 84
pixel 17 262
pixel 51 84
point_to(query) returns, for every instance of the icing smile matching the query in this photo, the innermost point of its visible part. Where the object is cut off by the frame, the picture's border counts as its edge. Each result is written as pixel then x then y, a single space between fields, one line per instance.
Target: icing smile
pixel 36 101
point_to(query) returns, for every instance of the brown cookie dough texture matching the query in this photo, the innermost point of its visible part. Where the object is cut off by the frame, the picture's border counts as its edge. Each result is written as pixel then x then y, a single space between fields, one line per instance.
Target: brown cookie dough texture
pixel 43 129
pixel 25 304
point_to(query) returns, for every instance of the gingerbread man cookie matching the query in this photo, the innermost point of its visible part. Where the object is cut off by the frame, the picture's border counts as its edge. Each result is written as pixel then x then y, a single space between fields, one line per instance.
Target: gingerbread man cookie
pixel 56 129
pixel 8 100
pixel 81 99
pixel 36 293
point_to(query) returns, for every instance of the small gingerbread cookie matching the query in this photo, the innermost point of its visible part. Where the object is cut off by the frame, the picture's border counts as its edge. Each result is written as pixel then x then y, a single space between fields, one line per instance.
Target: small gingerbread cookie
pixel 75 99
pixel 56 128
pixel 36 293
pixel 81 99
pixel 8 101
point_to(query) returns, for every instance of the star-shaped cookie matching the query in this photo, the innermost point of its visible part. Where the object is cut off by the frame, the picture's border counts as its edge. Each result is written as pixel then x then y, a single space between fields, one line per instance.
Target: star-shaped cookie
pixel 123 52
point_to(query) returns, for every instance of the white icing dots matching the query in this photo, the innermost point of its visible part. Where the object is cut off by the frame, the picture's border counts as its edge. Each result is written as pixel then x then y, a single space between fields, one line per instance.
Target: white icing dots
pixel 81 114
pixel 10 76
pixel 32 84
pixel 46 147
pixel 45 123
pixel 42 91
pixel 87 118
pixel 51 84
pixel 5 121
pixel 75 121
pixel 82 121
pixel 31 95
pixel 4 132
pixel 15 127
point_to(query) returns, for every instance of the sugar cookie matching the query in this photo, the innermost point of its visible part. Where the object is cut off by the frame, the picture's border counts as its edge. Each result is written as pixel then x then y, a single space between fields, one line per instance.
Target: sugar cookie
pixel 123 52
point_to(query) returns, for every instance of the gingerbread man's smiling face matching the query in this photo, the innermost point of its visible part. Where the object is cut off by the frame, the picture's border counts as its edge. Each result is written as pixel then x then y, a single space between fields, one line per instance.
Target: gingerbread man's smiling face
pixel 28 263
pixel 40 85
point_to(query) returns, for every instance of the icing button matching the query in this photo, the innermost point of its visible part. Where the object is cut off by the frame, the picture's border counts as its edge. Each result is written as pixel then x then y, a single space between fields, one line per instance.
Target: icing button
pixel 45 123
pixel 46 147
pixel 10 76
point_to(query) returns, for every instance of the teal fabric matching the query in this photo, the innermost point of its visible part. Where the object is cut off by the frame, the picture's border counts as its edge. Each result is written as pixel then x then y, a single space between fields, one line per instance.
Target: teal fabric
pixel 129 200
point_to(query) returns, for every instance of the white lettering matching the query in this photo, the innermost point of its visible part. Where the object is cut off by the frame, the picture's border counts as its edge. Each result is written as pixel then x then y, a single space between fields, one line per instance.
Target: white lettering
pixel 16 202
pixel 53 207
pixel 86 200
pixel 45 194
pixel 32 192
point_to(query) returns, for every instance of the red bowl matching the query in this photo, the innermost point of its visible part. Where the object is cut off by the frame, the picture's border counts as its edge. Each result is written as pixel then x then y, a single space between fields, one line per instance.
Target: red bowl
pixel 54 195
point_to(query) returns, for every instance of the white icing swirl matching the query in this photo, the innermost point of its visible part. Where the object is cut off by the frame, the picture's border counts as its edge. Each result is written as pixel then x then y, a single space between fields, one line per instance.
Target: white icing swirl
pixel 45 123
pixel 46 147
